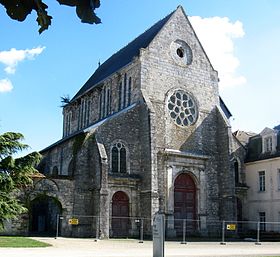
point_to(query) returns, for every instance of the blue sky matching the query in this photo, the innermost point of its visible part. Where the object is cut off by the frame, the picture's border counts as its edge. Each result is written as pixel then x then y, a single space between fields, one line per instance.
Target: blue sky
pixel 242 45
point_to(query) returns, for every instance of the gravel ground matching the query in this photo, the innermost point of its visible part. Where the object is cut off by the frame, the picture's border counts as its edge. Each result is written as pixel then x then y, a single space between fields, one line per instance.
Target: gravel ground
pixel 66 247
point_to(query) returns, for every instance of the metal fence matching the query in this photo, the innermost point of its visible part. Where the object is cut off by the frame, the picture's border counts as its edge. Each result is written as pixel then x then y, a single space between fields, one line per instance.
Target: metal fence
pixel 181 230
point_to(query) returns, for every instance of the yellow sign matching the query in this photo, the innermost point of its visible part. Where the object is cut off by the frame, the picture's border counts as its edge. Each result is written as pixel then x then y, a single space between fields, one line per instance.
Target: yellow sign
pixel 73 221
pixel 231 226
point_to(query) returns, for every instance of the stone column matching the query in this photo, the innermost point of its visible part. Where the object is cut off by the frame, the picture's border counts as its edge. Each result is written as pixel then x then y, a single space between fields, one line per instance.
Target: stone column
pixel 104 214
pixel 170 203
pixel 104 203
pixel 201 193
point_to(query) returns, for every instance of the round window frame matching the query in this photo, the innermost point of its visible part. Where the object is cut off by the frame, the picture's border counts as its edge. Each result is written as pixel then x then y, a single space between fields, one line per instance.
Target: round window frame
pixel 182 108
pixel 185 49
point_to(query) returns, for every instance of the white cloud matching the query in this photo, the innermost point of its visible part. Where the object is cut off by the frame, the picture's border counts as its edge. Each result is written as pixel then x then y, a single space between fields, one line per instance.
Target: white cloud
pixel 12 57
pixel 5 85
pixel 217 37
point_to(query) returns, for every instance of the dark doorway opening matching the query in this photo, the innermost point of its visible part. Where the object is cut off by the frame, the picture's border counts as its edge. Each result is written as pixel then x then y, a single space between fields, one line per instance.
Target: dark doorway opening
pixel 43 215
pixel 120 214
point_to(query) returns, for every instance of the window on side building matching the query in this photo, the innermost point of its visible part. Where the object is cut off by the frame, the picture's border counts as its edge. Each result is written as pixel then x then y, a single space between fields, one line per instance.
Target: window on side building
pixel 261 181
pixel 262 221
pixel 268 144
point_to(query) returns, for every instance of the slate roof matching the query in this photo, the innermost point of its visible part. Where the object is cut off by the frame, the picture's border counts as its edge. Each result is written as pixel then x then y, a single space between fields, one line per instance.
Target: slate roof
pixel 224 108
pixel 255 152
pixel 122 57
pixel 277 128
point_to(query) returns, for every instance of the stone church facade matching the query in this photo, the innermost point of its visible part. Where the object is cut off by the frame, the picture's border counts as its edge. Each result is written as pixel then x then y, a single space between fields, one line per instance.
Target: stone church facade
pixel 148 132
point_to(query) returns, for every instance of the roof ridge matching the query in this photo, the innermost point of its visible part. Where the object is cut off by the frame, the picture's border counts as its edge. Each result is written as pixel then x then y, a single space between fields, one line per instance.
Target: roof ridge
pixel 123 56
pixel 167 16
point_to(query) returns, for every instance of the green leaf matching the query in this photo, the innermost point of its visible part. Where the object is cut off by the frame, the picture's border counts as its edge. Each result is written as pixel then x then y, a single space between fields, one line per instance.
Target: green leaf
pixel 15 174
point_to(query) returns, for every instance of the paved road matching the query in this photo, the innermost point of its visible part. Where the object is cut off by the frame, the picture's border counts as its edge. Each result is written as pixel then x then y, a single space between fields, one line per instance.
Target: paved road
pixel 65 247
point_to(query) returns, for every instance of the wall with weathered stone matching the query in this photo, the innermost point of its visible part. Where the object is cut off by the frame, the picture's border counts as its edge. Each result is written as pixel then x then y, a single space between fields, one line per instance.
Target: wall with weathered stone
pixel 93 98
pixel 161 75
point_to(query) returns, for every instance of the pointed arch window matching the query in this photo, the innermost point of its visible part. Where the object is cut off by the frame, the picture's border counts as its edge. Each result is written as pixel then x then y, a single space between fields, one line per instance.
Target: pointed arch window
pixel 119 158
pixel 67 123
pixel 120 96
pixel 129 91
pixel 124 90
pixel 105 102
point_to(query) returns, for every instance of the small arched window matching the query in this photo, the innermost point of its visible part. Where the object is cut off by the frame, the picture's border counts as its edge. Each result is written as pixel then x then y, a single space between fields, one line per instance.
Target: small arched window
pixel 55 171
pixel 120 96
pixel 124 90
pixel 119 158
pixel 129 91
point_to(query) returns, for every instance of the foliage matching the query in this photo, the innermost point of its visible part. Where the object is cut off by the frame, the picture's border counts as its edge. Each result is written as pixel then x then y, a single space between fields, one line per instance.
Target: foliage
pixel 19 9
pixel 64 100
pixel 79 140
pixel 15 174
pixel 14 241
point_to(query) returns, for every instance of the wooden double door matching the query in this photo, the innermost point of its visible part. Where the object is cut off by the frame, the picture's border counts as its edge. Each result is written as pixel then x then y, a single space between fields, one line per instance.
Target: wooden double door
pixel 184 203
pixel 120 215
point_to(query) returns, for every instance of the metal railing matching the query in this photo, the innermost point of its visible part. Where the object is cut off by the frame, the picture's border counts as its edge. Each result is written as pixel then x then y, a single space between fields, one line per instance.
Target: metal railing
pixel 181 230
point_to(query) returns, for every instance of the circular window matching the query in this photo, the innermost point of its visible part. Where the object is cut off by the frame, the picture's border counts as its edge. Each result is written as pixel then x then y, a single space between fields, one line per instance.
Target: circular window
pixel 181 52
pixel 182 108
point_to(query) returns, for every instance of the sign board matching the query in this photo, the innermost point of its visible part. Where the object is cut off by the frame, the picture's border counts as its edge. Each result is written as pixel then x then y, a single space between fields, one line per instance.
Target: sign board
pixel 231 226
pixel 158 235
pixel 73 222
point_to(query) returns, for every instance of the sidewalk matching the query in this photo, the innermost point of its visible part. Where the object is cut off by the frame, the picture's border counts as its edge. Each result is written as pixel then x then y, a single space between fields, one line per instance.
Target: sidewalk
pixel 66 247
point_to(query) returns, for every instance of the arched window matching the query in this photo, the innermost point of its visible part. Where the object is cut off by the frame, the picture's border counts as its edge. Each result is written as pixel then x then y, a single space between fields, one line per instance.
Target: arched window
pixel 103 102
pixel 71 168
pixel 108 101
pixel 88 112
pixel 124 90
pixel 100 105
pixel 55 171
pixel 119 158
pixel 129 91
pixel 67 123
pixel 79 116
pixel 120 96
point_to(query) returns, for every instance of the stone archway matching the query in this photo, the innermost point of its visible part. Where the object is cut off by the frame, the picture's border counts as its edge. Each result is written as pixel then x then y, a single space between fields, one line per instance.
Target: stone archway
pixel 43 213
pixel 120 214
pixel 184 203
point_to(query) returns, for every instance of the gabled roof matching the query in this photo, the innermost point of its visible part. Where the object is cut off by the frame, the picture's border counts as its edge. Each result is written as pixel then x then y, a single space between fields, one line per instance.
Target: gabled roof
pixel 266 131
pixel 255 146
pixel 122 57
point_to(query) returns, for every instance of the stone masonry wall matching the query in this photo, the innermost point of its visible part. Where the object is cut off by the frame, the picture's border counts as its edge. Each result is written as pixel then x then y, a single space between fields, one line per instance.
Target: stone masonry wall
pixel 92 97
pixel 160 75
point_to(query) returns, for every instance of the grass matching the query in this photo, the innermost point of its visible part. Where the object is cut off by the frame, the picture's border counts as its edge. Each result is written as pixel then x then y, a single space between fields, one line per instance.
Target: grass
pixel 14 241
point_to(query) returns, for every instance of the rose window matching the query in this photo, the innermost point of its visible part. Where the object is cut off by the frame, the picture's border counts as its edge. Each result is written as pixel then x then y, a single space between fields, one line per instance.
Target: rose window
pixel 182 108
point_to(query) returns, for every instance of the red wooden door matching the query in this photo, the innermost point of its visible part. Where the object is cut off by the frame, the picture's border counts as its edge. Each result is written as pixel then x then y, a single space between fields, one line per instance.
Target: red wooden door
pixel 120 214
pixel 184 202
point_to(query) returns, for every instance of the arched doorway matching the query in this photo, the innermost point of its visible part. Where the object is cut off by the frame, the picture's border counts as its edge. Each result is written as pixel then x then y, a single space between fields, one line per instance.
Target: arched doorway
pixel 120 214
pixel 43 215
pixel 184 203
